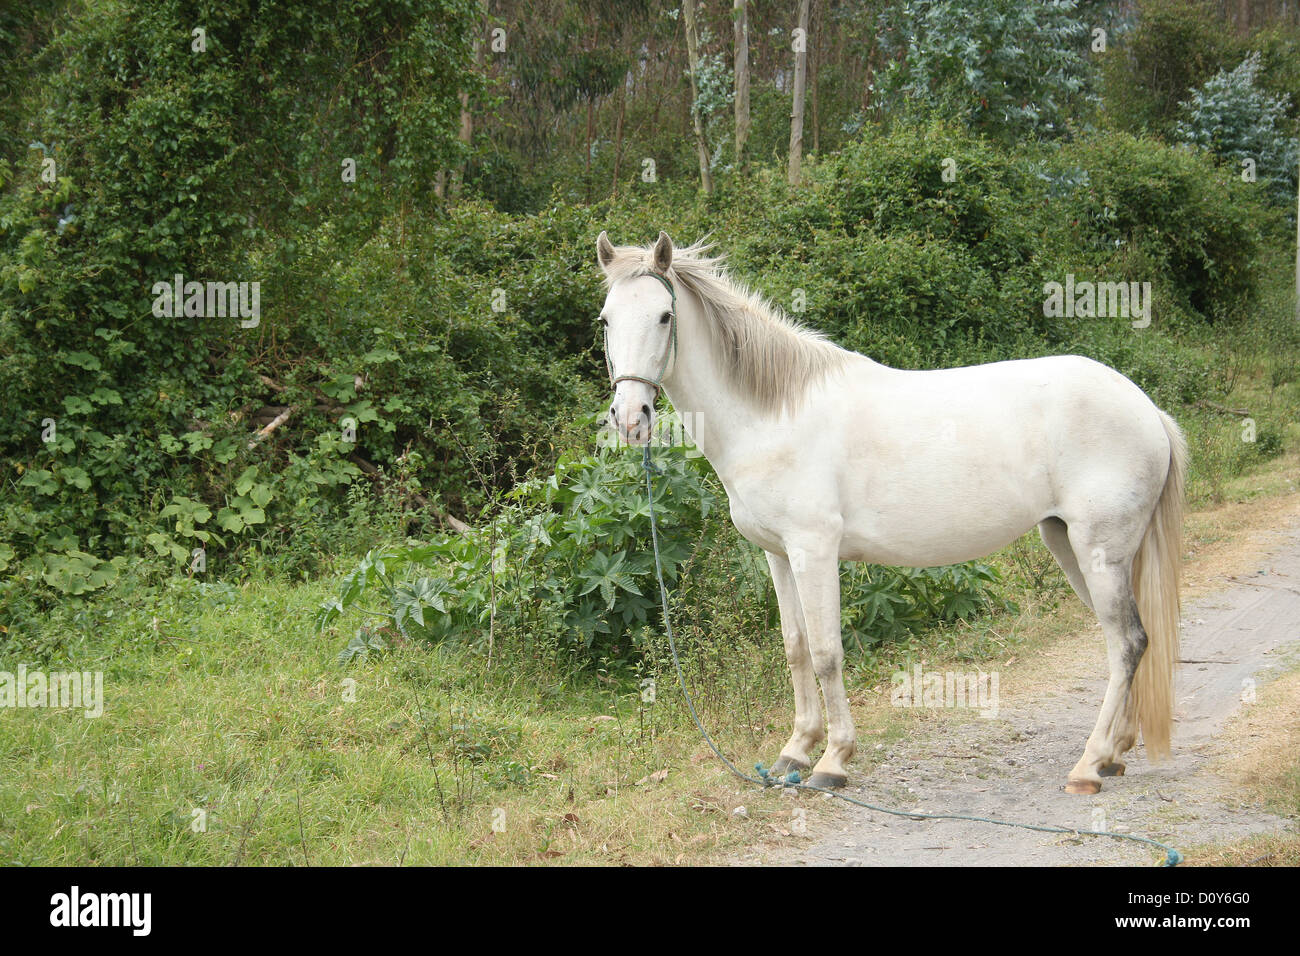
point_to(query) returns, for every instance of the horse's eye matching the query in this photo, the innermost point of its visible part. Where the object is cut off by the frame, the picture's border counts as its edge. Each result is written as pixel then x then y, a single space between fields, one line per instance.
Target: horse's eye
pixel 665 318
pixel 604 321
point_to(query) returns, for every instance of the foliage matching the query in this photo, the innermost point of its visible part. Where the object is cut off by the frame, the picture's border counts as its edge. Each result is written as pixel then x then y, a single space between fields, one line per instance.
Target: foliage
pixel 1169 217
pixel 883 605
pixel 1171 47
pixel 159 150
pixel 569 551
pixel 1242 124
pixel 1005 68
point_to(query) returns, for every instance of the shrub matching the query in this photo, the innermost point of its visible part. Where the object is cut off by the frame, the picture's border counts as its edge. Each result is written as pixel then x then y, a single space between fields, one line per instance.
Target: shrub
pixel 1172 46
pixel 1245 126
pixel 1167 211
pixel 1006 69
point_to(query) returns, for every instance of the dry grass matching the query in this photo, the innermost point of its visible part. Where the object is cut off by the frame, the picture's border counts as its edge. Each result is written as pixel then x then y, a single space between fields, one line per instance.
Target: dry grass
pixel 1263 769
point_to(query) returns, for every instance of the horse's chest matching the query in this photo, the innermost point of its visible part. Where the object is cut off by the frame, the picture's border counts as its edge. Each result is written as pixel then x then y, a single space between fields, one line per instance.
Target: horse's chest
pixel 752 524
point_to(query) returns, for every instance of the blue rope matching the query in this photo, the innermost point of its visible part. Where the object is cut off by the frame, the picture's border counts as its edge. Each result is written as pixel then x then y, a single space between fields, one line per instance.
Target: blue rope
pixel 792 779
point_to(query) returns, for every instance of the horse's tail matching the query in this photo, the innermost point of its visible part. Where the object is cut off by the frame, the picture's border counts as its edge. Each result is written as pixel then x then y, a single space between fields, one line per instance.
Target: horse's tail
pixel 1156 569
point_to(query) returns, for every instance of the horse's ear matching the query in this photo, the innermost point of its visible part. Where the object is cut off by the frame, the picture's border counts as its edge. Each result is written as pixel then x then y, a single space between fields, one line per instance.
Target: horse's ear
pixel 604 250
pixel 662 257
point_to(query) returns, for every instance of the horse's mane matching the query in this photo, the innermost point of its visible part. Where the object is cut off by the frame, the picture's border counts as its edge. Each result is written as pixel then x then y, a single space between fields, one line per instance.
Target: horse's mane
pixel 770 358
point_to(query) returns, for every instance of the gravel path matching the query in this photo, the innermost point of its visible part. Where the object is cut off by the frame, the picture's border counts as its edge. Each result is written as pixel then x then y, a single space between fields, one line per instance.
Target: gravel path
pixel 1013 767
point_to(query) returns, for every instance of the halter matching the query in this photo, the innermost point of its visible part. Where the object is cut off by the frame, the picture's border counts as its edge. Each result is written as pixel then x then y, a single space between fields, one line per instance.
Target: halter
pixel 657 382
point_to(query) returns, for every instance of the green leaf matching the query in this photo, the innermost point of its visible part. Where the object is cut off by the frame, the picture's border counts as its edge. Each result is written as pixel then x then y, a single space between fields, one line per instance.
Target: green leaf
pixel 40 479
pixel 197 441
pixel 76 405
pixel 245 480
pixel 261 495
pixel 74 476
pixel 230 520
pixel 81 360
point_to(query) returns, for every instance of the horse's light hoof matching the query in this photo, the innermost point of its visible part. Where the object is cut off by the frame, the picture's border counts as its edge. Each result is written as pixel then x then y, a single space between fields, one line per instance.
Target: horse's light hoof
pixel 1112 770
pixel 1082 786
pixel 785 764
pixel 827 781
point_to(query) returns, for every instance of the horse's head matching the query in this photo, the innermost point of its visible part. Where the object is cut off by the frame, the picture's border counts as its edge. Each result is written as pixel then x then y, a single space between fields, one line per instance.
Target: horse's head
pixel 640 326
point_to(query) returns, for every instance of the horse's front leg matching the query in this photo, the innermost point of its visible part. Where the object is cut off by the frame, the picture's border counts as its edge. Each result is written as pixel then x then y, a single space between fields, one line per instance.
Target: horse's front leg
pixel 807 708
pixel 816 570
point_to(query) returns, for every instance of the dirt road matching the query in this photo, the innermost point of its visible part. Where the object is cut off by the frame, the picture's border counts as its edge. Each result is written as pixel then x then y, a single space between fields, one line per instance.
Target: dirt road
pixel 1013 766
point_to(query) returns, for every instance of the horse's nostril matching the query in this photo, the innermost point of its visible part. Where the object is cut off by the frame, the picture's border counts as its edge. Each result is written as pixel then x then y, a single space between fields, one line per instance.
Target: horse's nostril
pixel 645 412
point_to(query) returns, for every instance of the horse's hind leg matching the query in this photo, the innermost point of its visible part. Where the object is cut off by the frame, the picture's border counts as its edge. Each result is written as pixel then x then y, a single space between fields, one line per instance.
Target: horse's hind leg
pixel 1108 576
pixel 808 730
pixel 1054 534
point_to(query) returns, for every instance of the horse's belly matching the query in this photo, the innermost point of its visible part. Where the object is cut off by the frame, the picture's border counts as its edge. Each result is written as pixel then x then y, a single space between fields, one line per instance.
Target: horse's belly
pixel 919 548
pixel 940 526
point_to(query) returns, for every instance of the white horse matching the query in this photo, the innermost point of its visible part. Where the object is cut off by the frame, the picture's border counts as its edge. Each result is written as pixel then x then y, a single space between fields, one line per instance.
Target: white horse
pixel 827 456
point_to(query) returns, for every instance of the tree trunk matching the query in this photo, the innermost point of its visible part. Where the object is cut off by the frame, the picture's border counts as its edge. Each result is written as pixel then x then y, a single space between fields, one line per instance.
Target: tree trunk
pixel 466 117
pixel 800 81
pixel 693 58
pixel 466 135
pixel 814 63
pixel 618 130
pixel 740 30
pixel 591 132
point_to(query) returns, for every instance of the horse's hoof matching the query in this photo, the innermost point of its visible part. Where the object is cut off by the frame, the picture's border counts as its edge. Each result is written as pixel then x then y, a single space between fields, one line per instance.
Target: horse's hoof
pixel 1112 770
pixel 785 764
pixel 827 781
pixel 1082 786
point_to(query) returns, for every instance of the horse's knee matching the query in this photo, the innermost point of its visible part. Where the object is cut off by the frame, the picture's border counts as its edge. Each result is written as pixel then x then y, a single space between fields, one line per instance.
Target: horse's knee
pixel 796 649
pixel 829 665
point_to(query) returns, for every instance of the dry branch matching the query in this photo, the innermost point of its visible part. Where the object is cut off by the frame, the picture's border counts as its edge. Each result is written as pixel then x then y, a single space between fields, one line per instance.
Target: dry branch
pixel 455 523
pixel 1216 407
pixel 275 423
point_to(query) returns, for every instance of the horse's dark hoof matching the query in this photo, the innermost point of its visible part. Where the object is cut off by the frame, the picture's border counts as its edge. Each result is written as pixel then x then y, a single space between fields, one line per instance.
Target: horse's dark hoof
pixel 1112 770
pixel 827 781
pixel 785 764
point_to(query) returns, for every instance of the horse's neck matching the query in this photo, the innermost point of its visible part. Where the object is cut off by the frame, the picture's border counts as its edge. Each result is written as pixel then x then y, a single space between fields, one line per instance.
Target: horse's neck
pixel 713 413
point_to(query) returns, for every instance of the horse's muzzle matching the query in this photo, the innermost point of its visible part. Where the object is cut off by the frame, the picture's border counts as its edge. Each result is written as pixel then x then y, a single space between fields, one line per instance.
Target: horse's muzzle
pixel 634 421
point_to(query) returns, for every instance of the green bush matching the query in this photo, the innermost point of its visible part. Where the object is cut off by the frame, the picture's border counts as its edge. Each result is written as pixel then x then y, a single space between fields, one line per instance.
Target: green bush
pixel 1149 212
pixel 568 555
pixel 1171 47
pixel 1006 69
pixel 119 428
pixel 1240 123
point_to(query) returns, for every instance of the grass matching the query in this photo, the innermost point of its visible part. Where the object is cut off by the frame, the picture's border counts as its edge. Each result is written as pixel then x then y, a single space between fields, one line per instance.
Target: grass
pixel 1265 771
pixel 231 735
